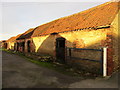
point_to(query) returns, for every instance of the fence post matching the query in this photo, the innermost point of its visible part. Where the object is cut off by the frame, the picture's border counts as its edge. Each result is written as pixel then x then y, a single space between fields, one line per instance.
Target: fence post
pixel 105 61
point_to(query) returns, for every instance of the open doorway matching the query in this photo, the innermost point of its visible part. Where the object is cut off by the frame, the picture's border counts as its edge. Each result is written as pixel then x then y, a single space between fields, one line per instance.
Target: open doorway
pixel 23 46
pixel 5 45
pixel 28 46
pixel 60 49
pixel 17 46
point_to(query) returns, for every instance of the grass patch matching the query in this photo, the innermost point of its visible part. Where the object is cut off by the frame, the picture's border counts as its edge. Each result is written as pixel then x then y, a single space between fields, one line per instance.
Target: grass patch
pixel 57 67
pixel 62 68
pixel 54 66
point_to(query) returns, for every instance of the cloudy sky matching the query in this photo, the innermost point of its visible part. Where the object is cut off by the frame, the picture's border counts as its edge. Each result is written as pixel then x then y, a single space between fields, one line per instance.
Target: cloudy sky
pixel 17 16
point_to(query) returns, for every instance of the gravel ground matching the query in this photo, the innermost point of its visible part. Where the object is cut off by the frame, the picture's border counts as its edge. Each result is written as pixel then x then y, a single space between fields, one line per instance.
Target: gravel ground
pixel 20 73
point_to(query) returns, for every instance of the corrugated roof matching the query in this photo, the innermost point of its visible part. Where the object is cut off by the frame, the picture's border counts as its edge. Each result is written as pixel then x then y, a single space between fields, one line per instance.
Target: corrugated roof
pixel 27 34
pixel 97 16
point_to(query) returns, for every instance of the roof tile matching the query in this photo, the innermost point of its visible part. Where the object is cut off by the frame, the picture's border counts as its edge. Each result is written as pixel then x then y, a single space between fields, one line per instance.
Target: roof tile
pixel 97 16
pixel 26 34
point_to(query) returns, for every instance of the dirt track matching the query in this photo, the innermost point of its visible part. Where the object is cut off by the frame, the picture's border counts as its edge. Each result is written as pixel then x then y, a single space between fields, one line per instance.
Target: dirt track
pixel 20 73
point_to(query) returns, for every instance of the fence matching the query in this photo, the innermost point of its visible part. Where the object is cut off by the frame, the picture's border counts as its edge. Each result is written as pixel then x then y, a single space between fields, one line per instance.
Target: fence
pixel 71 56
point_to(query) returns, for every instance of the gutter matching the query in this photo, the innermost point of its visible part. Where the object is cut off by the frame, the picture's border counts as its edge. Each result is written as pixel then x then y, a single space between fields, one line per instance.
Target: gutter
pixel 101 27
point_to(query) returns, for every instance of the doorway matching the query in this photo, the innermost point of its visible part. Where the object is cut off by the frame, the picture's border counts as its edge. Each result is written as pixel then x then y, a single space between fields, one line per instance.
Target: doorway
pixel 17 46
pixel 5 45
pixel 23 46
pixel 60 49
pixel 28 46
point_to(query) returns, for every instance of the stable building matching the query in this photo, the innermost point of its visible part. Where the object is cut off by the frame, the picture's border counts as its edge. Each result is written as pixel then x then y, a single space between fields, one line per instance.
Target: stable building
pixel 24 41
pixel 11 42
pixel 3 44
pixel 84 38
pixel 88 39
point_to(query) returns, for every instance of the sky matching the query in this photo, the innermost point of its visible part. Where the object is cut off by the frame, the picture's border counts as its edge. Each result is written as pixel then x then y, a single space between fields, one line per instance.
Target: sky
pixel 17 16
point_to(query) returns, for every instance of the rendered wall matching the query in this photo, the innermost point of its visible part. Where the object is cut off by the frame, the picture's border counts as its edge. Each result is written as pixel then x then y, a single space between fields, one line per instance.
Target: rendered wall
pixel 78 39
pixel 44 44
pixel 115 37
pixel 10 45
pixel 32 47
pixel 93 39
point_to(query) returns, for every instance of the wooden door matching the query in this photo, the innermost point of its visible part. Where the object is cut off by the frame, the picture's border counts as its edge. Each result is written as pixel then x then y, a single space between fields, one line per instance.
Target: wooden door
pixel 60 50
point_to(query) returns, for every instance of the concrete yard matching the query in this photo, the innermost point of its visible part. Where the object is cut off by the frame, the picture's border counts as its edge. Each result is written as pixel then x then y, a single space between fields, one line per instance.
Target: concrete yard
pixel 20 73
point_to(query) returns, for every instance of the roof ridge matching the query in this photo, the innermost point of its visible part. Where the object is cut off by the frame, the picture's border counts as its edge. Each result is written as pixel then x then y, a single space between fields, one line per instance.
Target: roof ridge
pixel 102 14
pixel 94 7
pixel 26 34
pixel 64 17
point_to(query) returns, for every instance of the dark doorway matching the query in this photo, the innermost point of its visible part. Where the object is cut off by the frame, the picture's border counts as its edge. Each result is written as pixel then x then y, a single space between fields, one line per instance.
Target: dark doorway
pixel 17 46
pixel 14 46
pixel 60 50
pixel 28 46
pixel 5 45
pixel 23 46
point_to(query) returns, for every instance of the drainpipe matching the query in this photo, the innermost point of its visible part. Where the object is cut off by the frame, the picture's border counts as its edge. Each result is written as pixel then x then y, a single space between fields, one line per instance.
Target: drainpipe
pixel 104 61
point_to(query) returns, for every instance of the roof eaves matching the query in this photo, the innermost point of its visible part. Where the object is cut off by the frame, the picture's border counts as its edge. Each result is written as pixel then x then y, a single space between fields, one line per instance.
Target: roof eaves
pixel 93 28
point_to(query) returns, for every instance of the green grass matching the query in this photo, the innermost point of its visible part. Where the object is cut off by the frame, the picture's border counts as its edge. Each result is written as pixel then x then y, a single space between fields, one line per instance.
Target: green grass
pixel 59 68
pixel 62 68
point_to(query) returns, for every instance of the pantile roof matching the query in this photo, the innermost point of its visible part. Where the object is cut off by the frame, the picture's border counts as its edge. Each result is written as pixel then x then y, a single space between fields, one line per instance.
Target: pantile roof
pixel 101 15
pixel 12 39
pixel 27 34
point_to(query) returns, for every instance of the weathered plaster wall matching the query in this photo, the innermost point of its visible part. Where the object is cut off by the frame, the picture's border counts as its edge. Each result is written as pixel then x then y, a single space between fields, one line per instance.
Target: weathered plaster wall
pixel 44 44
pixel 93 39
pixel 10 45
pixel 85 38
pixel 88 38
pixel 38 42
pixel 4 45
pixel 115 37
pixel 32 46
pixel 20 48
pixel 78 39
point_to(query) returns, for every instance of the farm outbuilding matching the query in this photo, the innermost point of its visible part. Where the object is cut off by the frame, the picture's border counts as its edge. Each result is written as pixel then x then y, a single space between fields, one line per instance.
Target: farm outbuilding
pixel 92 30
pixel 10 43
pixel 3 44
pixel 88 39
pixel 24 41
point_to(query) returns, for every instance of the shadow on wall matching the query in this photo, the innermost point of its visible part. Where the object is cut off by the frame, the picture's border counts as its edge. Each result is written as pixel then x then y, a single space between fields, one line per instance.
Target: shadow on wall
pixel 29 46
pixel 48 46
pixel 32 46
pixel 54 45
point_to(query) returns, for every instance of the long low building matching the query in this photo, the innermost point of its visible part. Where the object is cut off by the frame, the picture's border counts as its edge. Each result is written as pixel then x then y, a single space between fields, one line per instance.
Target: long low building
pixel 88 38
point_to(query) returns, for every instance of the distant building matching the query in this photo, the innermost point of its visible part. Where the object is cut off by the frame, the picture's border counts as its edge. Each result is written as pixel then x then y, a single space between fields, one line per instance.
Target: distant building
pixel 11 42
pixel 3 44
pixel 24 42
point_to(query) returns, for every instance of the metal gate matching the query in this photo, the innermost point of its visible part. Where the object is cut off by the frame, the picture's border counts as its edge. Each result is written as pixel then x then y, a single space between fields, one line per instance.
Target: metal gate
pixel 70 56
